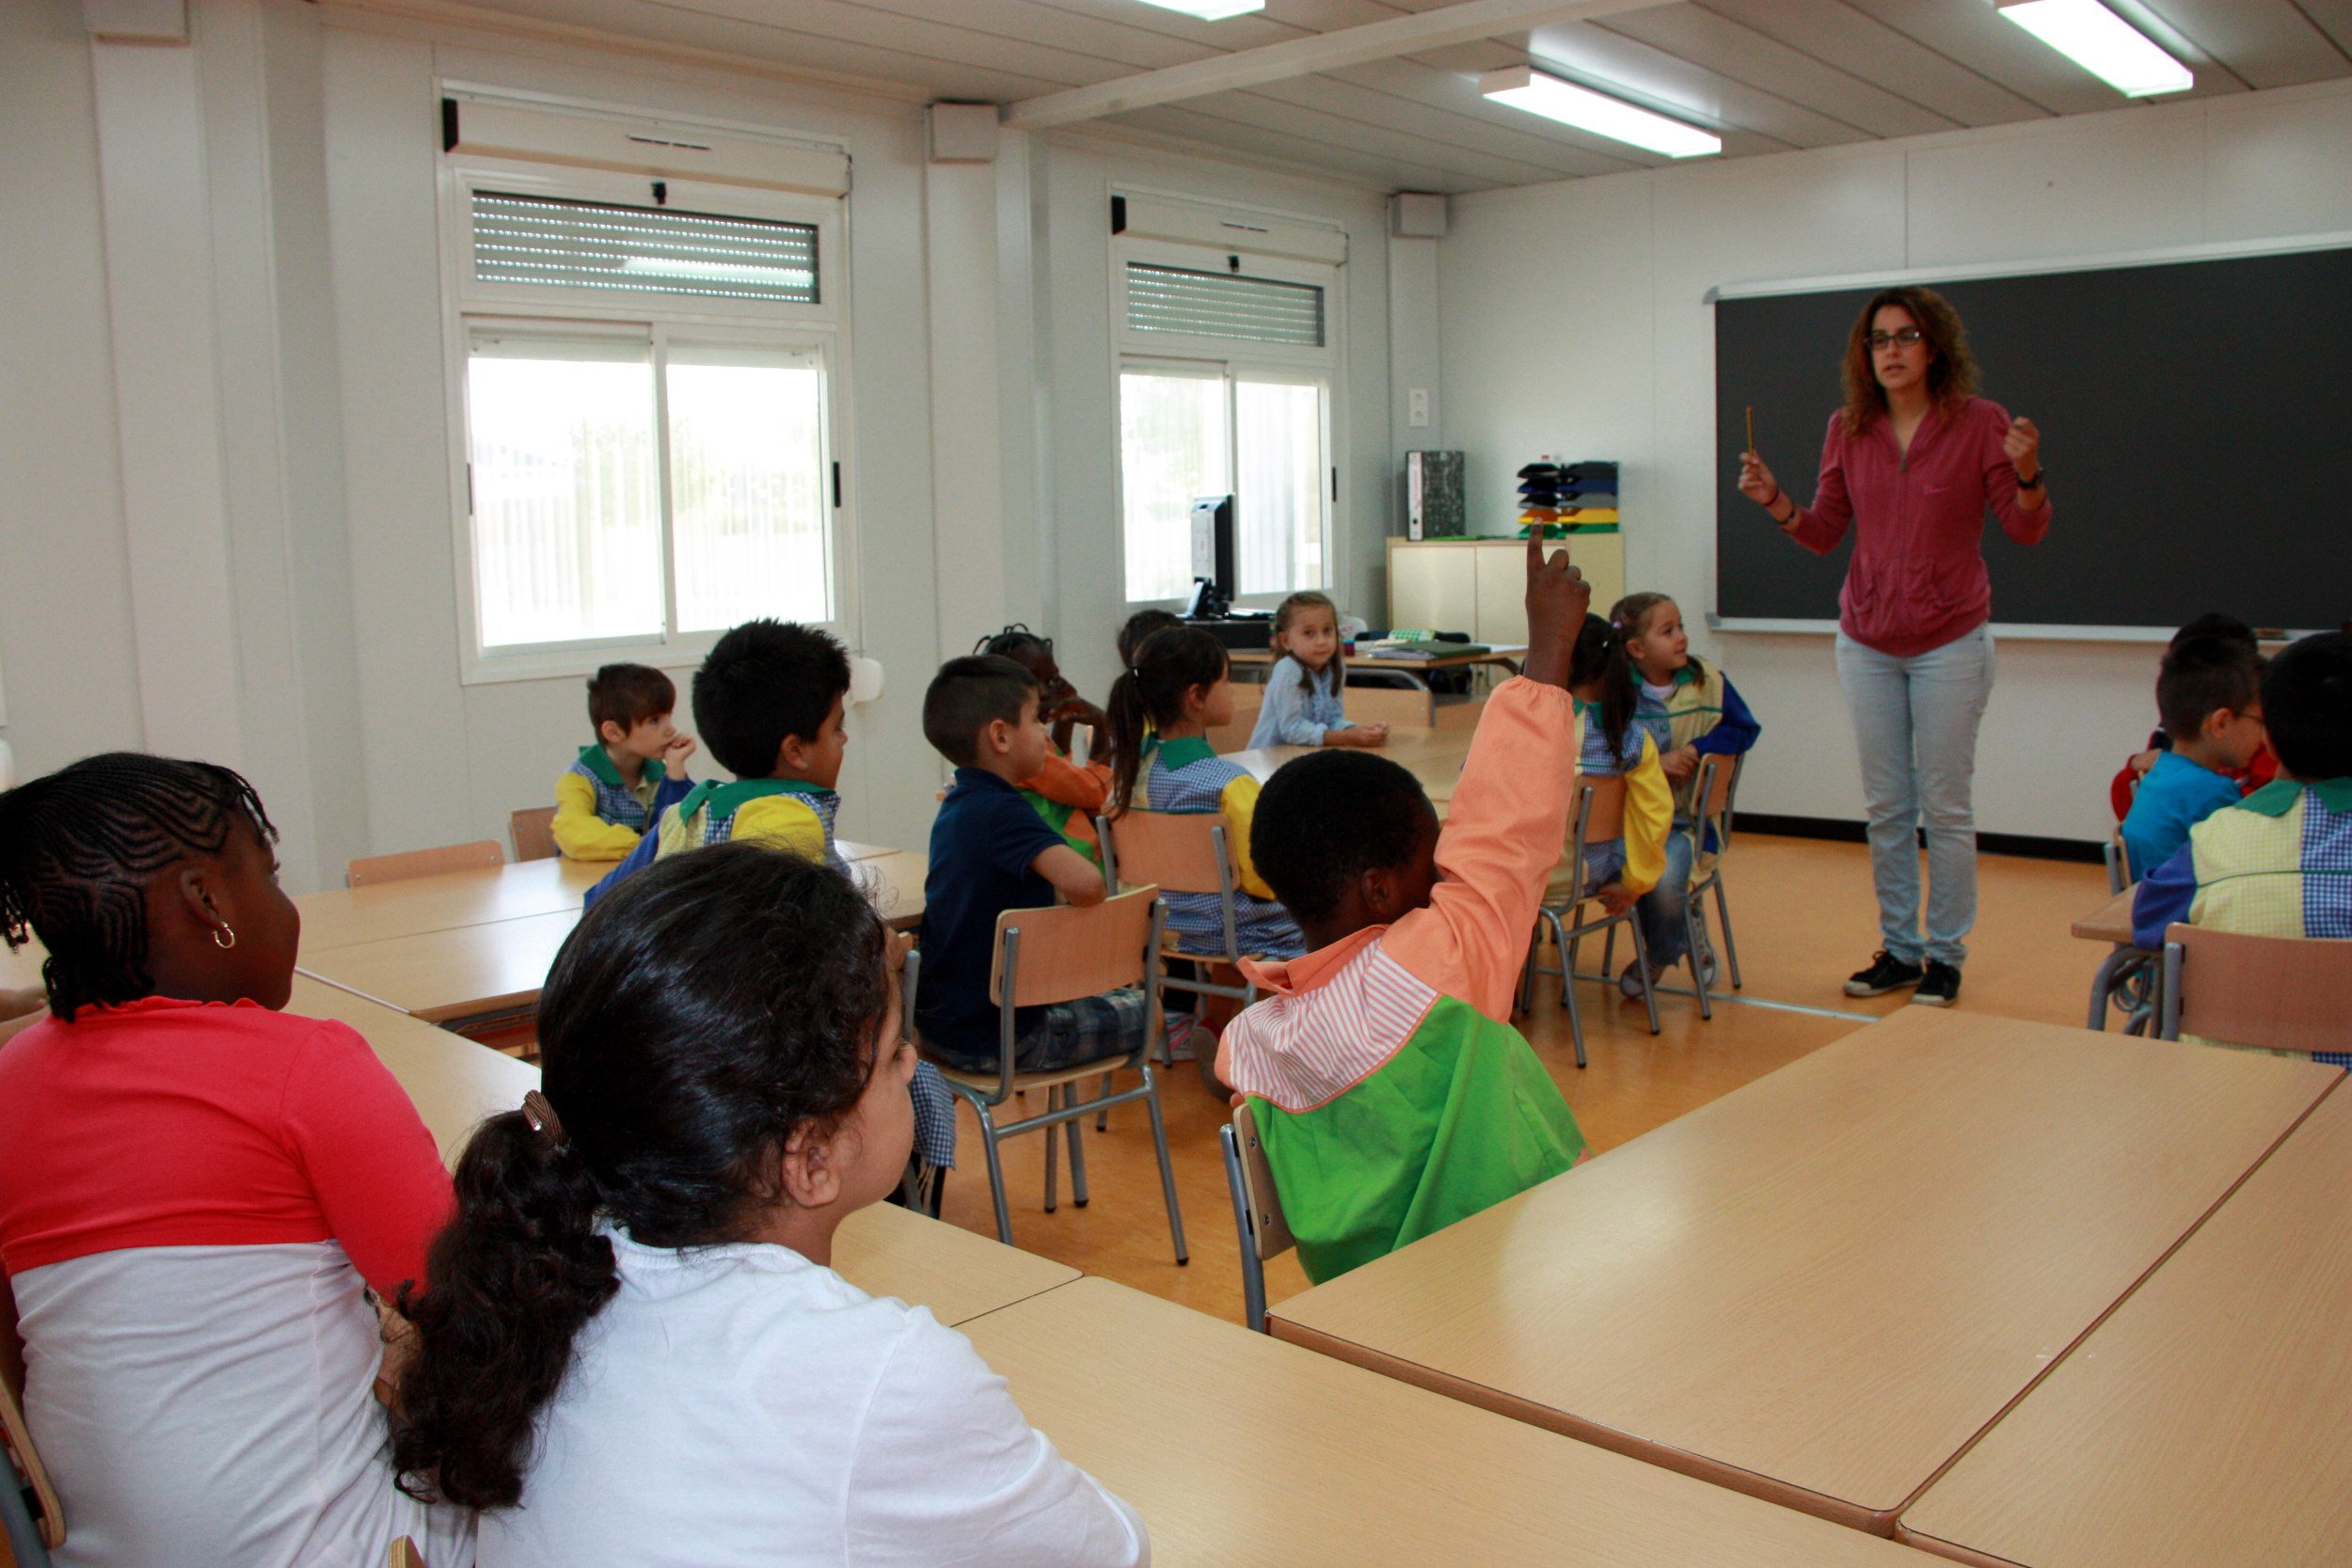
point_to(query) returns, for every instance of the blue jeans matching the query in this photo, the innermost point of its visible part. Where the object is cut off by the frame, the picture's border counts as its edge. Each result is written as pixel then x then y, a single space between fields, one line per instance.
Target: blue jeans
pixel 1660 910
pixel 1915 723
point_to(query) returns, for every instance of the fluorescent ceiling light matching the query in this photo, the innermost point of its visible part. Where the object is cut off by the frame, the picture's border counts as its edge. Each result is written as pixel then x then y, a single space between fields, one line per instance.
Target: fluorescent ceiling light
pixel 1524 87
pixel 1210 10
pixel 2104 45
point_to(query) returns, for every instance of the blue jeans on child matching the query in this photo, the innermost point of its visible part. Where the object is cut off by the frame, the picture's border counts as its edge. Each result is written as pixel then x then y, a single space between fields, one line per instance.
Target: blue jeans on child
pixel 1660 910
pixel 1915 723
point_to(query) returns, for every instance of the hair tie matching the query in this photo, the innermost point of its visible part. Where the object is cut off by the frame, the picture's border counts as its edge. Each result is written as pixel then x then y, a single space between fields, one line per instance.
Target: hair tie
pixel 544 1121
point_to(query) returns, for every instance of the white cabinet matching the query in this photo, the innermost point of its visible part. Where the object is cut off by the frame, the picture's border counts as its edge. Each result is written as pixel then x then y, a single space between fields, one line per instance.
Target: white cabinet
pixel 1479 585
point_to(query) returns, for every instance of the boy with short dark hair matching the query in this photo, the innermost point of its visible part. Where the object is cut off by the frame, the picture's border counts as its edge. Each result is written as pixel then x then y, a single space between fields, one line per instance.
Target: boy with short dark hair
pixel 614 789
pixel 2209 695
pixel 770 699
pixel 991 852
pixel 1390 1092
pixel 2280 861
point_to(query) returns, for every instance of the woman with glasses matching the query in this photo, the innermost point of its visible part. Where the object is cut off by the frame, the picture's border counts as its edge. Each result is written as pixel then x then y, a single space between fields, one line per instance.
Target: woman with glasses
pixel 1911 462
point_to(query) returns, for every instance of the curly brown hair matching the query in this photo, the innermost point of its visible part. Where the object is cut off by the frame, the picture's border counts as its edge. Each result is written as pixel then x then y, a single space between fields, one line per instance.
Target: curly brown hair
pixel 1951 372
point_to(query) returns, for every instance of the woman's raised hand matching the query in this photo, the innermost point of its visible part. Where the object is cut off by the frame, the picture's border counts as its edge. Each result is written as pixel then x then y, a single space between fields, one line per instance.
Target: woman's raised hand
pixel 2023 443
pixel 1755 481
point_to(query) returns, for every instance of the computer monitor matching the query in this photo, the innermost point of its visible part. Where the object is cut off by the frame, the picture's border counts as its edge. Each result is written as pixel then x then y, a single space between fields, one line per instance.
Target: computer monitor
pixel 1213 553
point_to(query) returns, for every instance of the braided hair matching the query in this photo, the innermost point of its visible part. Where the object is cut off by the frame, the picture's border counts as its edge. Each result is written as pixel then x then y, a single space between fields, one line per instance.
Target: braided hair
pixel 79 847
pixel 1016 641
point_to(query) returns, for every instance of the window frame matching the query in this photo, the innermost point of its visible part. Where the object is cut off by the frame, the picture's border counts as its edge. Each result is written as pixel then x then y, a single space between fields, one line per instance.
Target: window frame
pixel 1233 358
pixel 468 307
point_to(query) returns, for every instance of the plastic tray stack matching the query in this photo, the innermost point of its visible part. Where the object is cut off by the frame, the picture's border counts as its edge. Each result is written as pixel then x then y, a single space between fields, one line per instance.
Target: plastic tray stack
pixel 1568 498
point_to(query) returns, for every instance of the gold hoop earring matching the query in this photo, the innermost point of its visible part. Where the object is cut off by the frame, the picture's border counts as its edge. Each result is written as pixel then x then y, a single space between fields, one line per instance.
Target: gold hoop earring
pixel 223 938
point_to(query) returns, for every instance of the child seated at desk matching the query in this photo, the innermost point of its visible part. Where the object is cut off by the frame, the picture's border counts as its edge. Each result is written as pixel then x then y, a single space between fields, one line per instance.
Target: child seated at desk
pixel 2280 861
pixel 614 789
pixel 637 1349
pixel 198 1190
pixel 2259 770
pixel 1391 1094
pixel 1306 687
pixel 1616 871
pixel 2209 694
pixel 1068 795
pixel 989 853
pixel 1691 711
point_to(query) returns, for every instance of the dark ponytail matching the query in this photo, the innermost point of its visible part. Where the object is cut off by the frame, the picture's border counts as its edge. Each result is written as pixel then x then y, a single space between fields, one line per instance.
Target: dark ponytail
pixel 78 847
pixel 1150 693
pixel 1600 656
pixel 701 1012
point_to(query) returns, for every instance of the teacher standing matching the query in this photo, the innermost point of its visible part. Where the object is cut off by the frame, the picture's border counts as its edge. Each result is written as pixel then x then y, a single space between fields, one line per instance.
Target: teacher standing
pixel 1911 462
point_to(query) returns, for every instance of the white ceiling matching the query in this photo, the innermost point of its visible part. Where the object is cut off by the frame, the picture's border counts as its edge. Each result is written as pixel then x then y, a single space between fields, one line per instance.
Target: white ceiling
pixel 1769 75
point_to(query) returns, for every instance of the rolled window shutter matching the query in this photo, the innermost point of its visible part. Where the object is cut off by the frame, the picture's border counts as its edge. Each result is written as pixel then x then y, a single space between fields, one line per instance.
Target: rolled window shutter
pixel 657 250
pixel 1223 305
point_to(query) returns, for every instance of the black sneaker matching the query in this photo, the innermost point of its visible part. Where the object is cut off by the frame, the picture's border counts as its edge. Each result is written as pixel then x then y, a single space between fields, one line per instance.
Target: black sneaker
pixel 1940 989
pixel 1885 974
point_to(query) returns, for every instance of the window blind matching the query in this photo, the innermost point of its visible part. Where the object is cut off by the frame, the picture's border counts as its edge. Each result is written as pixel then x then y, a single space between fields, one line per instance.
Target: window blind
pixel 586 245
pixel 1223 305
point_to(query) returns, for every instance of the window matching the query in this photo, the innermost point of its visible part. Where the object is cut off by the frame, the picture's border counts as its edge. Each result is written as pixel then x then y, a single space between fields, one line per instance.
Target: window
pixel 1225 386
pixel 645 414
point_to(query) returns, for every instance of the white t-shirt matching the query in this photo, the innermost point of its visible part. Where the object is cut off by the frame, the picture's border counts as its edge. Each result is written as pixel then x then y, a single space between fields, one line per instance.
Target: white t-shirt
pixel 741 1406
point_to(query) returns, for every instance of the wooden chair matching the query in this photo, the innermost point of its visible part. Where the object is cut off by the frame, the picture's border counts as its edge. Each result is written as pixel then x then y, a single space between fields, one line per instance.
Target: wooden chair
pixel 404 1555
pixel 1714 797
pixel 1178 852
pixel 2128 979
pixel 32 1529
pixel 369 870
pixel 533 829
pixel 1257 1209
pixel 1071 952
pixel 1599 817
pixel 1391 704
pixel 2284 993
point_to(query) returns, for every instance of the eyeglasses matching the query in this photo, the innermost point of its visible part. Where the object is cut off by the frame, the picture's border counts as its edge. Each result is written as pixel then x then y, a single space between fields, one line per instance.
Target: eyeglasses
pixel 1909 337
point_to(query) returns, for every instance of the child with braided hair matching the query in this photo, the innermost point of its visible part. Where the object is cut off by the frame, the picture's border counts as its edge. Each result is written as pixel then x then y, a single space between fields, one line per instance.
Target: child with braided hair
pixel 198 1189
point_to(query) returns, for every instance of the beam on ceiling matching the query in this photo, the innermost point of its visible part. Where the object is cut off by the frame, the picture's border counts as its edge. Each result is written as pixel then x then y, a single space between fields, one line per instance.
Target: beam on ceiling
pixel 1333 51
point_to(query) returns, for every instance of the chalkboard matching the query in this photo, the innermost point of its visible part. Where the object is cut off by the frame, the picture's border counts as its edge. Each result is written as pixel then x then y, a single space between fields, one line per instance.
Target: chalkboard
pixel 2196 419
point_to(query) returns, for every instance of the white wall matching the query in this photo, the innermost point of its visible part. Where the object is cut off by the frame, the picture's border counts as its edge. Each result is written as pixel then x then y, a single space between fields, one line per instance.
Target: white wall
pixel 1572 321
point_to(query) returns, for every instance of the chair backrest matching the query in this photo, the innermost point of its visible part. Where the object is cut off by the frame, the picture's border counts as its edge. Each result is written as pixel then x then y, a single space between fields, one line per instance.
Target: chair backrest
pixel 1270 1232
pixel 20 1447
pixel 404 1554
pixel 532 828
pixel 1600 807
pixel 2118 858
pixel 1178 851
pixel 2287 994
pixel 1233 734
pixel 1067 952
pixel 1390 704
pixel 482 854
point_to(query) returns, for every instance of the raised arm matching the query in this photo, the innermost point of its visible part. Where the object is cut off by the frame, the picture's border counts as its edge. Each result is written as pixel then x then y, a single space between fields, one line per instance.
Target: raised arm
pixel 2012 483
pixel 1819 527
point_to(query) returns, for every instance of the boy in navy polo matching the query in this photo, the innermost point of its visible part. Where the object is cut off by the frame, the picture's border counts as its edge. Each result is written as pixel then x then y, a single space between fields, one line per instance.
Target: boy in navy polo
pixel 992 852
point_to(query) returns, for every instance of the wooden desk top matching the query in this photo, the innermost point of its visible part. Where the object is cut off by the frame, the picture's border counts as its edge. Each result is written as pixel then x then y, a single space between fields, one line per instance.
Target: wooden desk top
pixel 2210 1420
pixel 1236 1449
pixel 2110 922
pixel 1434 756
pixel 346 917
pixel 1820 1287
pixel 1497 653
pixel 475 970
pixel 452 1082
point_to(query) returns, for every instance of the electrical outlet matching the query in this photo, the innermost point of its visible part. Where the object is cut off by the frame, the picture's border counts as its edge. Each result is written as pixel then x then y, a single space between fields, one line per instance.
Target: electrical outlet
pixel 1417 407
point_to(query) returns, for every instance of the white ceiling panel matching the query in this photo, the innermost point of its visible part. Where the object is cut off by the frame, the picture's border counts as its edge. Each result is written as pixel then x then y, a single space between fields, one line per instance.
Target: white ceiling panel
pixel 1767 76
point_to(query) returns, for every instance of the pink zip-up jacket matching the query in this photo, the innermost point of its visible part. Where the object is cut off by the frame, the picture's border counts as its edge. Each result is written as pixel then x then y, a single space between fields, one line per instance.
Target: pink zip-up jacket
pixel 1917 577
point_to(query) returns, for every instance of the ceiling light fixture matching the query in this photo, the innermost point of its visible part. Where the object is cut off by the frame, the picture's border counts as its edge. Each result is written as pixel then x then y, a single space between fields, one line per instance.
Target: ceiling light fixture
pixel 1525 87
pixel 2104 45
pixel 1210 10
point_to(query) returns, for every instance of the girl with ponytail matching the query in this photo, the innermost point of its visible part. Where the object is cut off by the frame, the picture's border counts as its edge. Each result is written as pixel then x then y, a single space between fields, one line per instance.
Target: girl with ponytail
pixel 198 1189
pixel 1616 871
pixel 635 1348
pixel 1161 710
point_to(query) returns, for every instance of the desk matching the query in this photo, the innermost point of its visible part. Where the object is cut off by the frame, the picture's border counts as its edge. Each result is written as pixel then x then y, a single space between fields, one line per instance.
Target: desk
pixel 471 972
pixel 2209 1421
pixel 1434 756
pixel 1238 1449
pixel 344 917
pixel 1505 654
pixel 1822 1287
pixel 884 1251
pixel 2111 922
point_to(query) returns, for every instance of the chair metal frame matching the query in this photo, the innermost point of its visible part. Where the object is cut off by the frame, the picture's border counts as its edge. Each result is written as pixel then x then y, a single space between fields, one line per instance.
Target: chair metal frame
pixel 2127 978
pixel 1258 1217
pixel 1567 937
pixel 985 1091
pixel 1718 822
pixel 2172 1006
pixel 1200 987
